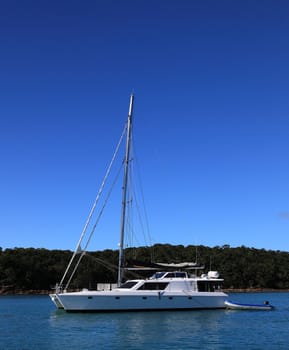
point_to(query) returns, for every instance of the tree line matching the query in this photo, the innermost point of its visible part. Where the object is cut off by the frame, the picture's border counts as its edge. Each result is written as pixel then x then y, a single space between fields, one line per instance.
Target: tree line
pixel 36 270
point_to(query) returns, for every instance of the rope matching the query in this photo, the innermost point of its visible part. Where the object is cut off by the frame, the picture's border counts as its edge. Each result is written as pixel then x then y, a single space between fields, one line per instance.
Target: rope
pixel 78 246
pixel 92 230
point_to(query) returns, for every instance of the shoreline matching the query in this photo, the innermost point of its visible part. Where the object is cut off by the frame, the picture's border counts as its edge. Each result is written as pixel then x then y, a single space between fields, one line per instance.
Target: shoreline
pixel 254 290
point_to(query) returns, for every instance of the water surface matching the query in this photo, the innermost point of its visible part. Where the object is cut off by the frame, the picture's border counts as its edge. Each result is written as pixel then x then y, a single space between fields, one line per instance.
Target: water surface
pixel 32 322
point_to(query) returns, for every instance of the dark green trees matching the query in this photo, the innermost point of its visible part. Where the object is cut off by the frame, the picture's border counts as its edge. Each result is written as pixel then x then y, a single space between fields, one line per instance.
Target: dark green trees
pixel 34 270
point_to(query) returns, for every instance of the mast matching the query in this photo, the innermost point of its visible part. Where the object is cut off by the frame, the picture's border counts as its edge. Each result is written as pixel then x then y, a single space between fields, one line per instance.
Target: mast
pixel 124 190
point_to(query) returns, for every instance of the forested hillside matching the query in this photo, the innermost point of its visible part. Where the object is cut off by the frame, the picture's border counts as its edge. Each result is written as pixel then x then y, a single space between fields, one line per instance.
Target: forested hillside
pixel 36 270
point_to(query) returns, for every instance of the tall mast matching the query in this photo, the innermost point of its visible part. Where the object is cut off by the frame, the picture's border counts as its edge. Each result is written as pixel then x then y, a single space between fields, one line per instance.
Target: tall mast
pixel 124 190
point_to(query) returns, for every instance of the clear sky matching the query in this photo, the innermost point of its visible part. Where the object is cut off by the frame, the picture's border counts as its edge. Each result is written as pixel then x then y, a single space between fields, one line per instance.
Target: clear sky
pixel 211 84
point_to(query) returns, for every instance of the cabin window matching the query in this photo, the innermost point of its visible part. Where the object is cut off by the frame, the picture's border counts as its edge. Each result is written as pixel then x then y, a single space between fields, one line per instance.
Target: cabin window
pixel 177 274
pixel 158 275
pixel 208 286
pixel 128 285
pixel 170 275
pixel 181 274
pixel 153 286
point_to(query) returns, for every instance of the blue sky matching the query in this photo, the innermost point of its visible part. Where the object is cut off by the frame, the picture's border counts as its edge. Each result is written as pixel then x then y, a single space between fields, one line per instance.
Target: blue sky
pixel 211 83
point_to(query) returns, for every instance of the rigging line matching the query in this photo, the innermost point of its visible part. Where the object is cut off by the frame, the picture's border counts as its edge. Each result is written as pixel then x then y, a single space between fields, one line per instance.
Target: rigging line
pixel 102 209
pixel 129 215
pixel 74 270
pixel 141 213
pixel 131 227
pixel 140 218
pixel 146 231
pixel 106 264
pixel 94 205
pixel 93 229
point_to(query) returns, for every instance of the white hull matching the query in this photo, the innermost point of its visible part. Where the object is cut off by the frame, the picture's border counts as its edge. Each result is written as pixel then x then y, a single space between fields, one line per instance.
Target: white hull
pixel 135 301
pixel 238 306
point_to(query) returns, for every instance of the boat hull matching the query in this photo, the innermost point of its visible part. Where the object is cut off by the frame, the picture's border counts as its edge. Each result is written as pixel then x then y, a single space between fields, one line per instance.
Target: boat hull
pixel 239 306
pixel 119 301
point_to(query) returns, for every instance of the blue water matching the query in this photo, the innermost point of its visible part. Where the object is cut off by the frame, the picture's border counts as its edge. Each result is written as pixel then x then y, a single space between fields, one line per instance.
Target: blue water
pixel 33 323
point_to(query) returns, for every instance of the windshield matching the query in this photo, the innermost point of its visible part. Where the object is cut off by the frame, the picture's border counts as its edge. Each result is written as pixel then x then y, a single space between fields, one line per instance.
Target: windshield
pixel 128 285
pixel 158 275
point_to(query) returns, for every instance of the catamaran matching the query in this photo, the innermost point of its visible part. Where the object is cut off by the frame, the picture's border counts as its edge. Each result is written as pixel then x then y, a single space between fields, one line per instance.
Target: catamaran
pixel 172 287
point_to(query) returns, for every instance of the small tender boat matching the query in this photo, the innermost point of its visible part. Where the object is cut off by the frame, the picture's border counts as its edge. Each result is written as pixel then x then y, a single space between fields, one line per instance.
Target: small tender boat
pixel 238 306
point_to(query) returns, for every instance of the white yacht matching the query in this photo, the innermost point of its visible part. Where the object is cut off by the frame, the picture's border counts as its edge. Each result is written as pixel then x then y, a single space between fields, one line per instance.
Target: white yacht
pixel 163 291
pixel 168 290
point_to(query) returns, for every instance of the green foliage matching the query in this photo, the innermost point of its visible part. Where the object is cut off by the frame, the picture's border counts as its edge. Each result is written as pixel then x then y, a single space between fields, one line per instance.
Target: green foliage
pixel 40 269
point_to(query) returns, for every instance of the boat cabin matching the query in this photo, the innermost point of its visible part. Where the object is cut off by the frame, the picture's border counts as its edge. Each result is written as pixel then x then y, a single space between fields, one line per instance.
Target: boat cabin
pixel 174 281
pixel 209 285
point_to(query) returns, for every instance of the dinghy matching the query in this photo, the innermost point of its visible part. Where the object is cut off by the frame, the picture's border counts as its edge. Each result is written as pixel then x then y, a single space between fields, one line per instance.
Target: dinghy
pixel 238 306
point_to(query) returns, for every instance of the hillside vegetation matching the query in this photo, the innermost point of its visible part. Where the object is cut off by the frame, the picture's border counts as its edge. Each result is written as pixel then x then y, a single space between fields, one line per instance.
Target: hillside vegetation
pixel 36 270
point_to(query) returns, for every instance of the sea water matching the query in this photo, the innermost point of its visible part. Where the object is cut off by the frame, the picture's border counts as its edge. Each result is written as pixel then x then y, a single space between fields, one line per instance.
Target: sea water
pixel 33 323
